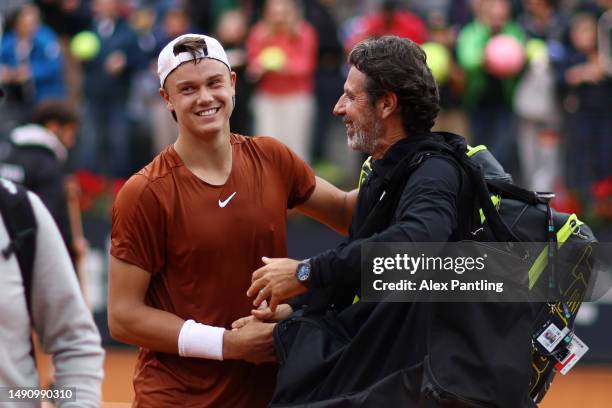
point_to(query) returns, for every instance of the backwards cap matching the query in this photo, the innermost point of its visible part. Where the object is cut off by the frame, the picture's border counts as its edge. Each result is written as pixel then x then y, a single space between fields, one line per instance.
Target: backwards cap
pixel 168 60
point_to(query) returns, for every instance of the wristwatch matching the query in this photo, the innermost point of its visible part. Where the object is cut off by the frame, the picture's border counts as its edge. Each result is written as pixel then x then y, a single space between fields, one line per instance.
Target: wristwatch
pixel 302 272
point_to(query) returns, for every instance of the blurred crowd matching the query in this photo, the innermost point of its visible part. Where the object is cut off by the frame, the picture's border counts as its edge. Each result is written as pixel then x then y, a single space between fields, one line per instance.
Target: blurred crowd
pixel 531 79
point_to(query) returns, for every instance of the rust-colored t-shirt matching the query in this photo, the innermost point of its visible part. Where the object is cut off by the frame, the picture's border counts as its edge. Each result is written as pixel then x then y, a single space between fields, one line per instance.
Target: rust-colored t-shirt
pixel 201 244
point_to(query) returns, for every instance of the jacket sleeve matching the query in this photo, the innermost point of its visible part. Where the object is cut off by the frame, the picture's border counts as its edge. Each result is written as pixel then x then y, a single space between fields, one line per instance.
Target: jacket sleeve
pixel 47 63
pixel 427 212
pixel 7 51
pixel 61 318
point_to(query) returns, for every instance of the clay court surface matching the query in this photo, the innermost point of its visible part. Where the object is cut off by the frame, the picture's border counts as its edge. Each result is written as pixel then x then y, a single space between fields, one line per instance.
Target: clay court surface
pixel 583 387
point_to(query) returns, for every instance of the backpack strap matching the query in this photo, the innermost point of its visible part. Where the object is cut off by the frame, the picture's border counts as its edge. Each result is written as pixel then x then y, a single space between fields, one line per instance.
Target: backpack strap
pixel 534 198
pixel 515 192
pixel 398 177
pixel 392 191
pixel 20 223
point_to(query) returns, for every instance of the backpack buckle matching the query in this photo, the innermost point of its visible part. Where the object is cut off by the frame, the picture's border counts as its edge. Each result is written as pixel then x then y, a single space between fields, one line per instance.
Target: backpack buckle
pixel 545 196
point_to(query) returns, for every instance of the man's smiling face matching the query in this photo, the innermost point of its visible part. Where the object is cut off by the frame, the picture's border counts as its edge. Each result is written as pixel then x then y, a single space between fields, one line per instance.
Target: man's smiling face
pixel 362 125
pixel 201 95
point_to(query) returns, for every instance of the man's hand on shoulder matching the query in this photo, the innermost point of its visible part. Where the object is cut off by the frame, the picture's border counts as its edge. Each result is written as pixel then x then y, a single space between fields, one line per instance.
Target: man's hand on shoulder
pixel 252 342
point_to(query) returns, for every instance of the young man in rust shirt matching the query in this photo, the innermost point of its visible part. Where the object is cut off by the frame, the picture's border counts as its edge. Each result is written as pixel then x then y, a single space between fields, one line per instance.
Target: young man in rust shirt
pixel 189 228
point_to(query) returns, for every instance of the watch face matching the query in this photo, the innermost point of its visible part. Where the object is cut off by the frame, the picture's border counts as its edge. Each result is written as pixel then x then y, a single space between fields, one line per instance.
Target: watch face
pixel 303 272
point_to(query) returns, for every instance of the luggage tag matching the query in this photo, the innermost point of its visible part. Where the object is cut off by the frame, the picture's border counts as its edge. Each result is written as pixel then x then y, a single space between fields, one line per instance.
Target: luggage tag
pixel 569 356
pixel 548 338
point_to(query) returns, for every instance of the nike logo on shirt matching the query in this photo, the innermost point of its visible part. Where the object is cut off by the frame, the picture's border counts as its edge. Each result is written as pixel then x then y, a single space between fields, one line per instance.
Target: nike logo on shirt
pixel 222 204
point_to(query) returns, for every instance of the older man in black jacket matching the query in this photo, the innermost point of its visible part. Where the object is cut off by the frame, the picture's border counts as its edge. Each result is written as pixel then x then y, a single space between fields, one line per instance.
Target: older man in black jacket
pixel 348 354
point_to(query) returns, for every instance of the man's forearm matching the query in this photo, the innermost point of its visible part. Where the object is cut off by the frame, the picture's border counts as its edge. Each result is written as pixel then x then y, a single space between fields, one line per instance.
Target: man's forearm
pixel 162 331
pixel 330 206
pixel 146 327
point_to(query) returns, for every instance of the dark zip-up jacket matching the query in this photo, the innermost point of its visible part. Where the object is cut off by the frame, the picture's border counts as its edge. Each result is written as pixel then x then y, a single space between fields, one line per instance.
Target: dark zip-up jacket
pixel 35 159
pixel 427 212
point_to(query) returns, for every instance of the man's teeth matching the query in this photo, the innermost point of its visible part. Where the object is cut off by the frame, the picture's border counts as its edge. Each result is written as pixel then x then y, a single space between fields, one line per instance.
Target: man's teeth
pixel 208 112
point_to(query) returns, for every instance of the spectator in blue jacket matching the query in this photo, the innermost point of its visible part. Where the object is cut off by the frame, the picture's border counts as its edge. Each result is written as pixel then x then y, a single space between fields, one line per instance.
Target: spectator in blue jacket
pixel 31 61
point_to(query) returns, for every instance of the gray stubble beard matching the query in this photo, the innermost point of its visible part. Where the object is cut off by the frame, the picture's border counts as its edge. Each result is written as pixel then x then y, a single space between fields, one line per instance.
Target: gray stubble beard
pixel 364 141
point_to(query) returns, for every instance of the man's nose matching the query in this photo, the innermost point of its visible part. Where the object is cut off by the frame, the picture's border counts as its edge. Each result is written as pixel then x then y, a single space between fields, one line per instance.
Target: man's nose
pixel 204 96
pixel 339 108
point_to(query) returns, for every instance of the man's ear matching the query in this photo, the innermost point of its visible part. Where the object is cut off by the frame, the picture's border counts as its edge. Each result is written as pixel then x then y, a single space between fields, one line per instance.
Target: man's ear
pixel 387 104
pixel 164 94
pixel 52 126
pixel 233 82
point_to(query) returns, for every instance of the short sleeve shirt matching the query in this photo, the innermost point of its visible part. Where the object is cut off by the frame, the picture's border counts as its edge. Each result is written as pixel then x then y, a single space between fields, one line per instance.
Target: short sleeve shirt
pixel 201 243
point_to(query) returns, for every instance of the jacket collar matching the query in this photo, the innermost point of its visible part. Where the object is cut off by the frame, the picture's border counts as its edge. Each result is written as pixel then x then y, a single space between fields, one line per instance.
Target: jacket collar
pixel 36 135
pixel 407 146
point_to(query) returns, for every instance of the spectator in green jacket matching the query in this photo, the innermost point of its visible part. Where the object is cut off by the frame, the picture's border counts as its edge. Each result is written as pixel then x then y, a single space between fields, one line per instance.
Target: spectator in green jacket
pixel 487 97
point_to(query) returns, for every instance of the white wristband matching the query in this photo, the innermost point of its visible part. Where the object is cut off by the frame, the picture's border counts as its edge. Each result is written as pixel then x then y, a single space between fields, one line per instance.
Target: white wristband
pixel 201 340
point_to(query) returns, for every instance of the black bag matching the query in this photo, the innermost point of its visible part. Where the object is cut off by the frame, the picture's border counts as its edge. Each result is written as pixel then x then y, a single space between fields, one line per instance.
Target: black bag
pixel 509 213
pixel 474 354
pixel 20 223
pixel 530 218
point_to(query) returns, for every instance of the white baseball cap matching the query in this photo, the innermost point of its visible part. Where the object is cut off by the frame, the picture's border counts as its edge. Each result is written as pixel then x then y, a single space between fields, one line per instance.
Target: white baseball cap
pixel 168 61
